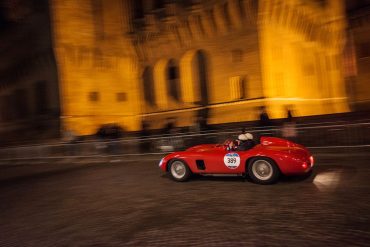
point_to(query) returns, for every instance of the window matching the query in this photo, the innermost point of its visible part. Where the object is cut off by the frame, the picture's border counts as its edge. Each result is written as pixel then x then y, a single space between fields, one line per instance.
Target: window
pixel 121 97
pixel 98 12
pixel 237 56
pixel 94 96
pixel 148 86
pixel 211 15
pixel 200 24
pixel 173 80
pixel 201 69
pixel 226 15
pixel 241 8
pixel 237 87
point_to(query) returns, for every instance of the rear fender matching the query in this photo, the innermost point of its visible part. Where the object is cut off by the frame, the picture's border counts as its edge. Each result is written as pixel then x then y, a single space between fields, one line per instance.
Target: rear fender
pixel 274 141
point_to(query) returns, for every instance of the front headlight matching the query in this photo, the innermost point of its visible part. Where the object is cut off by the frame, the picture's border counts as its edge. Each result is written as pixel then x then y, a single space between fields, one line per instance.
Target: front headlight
pixel 160 162
pixel 312 161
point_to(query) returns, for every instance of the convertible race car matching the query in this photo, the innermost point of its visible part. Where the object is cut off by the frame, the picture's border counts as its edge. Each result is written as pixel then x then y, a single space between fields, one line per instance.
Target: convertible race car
pixel 263 163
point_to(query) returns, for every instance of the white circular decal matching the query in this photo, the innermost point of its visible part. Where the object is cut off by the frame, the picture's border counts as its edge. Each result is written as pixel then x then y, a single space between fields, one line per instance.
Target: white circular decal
pixel 232 160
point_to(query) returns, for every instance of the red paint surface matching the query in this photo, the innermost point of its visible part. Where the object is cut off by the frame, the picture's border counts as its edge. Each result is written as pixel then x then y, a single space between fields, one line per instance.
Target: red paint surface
pixel 288 156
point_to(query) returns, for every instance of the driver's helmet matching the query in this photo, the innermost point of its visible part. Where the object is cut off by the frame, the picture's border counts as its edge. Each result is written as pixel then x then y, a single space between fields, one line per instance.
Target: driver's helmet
pixel 245 137
pixel 249 136
pixel 242 137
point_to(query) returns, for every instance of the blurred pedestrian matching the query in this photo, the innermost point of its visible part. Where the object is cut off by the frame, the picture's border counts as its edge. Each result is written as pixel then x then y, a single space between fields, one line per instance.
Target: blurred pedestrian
pixel 144 143
pixel 169 126
pixel 264 119
pixel 108 135
pixel 144 129
pixel 288 129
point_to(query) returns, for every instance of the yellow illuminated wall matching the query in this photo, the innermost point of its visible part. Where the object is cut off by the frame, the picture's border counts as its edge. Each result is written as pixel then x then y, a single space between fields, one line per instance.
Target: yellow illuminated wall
pixel 215 44
pixel 301 49
pixel 224 57
pixel 97 66
pixel 358 73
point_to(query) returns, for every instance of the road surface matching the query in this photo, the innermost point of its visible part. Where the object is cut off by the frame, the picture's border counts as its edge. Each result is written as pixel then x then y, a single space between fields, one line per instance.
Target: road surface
pixel 132 203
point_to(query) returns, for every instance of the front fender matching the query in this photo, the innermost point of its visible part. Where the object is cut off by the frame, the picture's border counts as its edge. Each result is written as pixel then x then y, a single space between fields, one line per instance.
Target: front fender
pixel 163 164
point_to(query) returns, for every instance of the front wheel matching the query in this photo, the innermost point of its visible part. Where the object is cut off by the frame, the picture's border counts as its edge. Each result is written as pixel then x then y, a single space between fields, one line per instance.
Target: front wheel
pixel 179 170
pixel 263 170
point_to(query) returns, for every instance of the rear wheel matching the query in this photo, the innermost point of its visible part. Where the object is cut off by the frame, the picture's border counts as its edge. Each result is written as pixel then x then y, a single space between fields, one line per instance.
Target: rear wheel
pixel 179 170
pixel 263 170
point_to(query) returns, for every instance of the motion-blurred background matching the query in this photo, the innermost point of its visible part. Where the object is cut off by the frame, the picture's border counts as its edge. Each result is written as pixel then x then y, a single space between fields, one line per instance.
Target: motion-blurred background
pixel 80 70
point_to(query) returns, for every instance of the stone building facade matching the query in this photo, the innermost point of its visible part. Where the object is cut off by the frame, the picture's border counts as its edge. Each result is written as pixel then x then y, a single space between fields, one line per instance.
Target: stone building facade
pixel 29 99
pixel 357 54
pixel 126 61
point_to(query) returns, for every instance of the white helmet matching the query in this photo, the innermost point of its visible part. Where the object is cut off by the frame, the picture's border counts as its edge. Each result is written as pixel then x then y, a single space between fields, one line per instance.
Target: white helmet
pixel 248 136
pixel 242 137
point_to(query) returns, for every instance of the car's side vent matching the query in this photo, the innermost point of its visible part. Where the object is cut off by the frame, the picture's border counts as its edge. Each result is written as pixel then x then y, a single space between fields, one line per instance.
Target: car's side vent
pixel 200 164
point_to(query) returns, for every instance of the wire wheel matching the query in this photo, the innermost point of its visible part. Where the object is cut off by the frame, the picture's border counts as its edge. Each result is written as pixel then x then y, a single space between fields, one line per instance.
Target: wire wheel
pixel 263 171
pixel 179 170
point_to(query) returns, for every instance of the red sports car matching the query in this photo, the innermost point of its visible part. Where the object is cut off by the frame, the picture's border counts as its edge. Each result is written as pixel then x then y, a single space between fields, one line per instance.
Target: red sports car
pixel 263 163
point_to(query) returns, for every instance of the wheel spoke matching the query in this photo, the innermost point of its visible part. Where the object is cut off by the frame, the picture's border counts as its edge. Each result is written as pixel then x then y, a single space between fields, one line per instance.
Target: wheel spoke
pixel 178 169
pixel 262 169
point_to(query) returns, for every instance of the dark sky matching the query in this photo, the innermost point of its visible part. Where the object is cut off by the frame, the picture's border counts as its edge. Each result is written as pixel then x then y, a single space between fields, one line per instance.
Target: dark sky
pixel 351 6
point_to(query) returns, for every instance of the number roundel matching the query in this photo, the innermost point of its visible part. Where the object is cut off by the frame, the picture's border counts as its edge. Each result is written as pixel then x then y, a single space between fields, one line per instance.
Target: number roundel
pixel 232 160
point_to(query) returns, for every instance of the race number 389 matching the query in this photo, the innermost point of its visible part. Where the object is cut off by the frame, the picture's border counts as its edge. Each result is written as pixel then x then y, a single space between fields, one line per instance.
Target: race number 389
pixel 232 160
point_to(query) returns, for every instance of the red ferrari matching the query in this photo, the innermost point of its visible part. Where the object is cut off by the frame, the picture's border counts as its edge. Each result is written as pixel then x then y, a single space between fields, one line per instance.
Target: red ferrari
pixel 263 163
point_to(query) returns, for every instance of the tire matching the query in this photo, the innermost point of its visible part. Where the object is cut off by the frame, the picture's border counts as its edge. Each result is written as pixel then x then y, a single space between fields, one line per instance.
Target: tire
pixel 263 170
pixel 179 170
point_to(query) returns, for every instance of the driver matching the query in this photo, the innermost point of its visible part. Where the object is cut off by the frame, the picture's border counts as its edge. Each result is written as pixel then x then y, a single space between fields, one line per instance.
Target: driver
pixel 245 142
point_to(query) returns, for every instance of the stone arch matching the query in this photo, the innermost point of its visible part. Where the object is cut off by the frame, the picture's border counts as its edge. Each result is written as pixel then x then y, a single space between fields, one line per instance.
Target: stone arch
pixel 194 77
pixel 148 85
pixel 160 85
pixel 201 66
pixel 173 79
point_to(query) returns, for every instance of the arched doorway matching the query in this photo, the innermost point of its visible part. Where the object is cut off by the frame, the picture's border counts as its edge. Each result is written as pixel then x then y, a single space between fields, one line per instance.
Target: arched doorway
pixel 148 85
pixel 173 80
pixel 194 77
pixel 200 67
pixel 194 83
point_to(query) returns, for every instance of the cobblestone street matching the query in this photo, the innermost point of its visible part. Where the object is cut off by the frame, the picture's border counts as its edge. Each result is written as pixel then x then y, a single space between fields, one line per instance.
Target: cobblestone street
pixel 133 203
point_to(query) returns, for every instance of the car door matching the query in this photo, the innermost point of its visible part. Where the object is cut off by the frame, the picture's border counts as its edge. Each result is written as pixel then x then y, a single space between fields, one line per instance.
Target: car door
pixel 223 161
